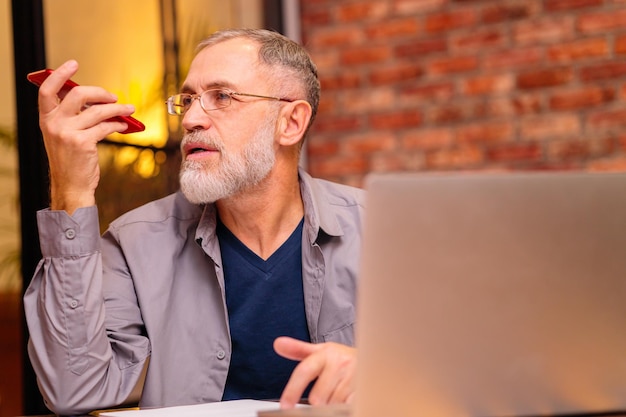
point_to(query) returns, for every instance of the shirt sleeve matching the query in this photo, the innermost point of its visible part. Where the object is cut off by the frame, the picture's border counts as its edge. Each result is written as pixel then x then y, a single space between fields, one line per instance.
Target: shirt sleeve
pixel 78 365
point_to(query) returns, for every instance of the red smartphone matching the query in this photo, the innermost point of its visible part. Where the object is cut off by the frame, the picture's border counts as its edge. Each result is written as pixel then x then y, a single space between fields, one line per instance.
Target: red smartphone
pixel 38 77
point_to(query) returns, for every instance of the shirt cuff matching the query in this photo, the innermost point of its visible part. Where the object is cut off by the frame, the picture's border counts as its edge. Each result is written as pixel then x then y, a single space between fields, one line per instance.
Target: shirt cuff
pixel 62 235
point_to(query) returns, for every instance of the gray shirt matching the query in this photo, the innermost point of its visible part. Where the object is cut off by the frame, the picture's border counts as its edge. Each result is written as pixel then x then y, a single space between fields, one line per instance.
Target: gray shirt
pixel 152 287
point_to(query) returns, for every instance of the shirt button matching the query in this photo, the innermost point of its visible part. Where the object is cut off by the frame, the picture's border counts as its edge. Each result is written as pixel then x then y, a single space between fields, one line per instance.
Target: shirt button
pixel 70 233
pixel 73 304
pixel 221 354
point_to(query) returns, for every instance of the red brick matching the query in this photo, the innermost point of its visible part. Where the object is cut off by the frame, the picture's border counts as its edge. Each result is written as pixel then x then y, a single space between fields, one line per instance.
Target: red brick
pixel 561 166
pixel 327 60
pixel 386 162
pixel 419 48
pixel 527 104
pixel 580 49
pixel 395 74
pixel 524 104
pixel 328 104
pixel 501 107
pixel 544 78
pixel 609 119
pixel 485 38
pixel 447 21
pixel 336 36
pixel 489 84
pixel 453 65
pixel 365 55
pixel 339 123
pixel 320 147
pixel 509 11
pixel 417 7
pixel 568 149
pixel 360 11
pixel 368 143
pixel 430 92
pixel 561 5
pixel 316 18
pixel 427 138
pixel 580 148
pixel 550 127
pixel 395 120
pixel 605 71
pixel 365 101
pixel 601 22
pixel 335 167
pixel 395 28
pixel 620 45
pixel 610 164
pixel 486 132
pixel 460 157
pixel 341 81
pixel 513 59
pixel 544 30
pixel 581 98
pixel 515 152
pixel 446 114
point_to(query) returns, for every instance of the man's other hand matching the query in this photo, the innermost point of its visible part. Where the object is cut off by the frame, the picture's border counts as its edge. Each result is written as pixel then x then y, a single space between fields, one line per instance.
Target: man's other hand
pixel 332 364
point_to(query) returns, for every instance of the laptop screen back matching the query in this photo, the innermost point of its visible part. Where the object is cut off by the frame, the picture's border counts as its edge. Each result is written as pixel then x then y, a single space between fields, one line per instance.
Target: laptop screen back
pixel 492 295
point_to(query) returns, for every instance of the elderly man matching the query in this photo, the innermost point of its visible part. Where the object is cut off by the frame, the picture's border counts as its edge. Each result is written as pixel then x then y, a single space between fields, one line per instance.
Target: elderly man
pixel 241 285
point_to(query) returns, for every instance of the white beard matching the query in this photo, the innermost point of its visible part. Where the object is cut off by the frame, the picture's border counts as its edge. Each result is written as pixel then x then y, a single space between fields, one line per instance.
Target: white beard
pixel 207 182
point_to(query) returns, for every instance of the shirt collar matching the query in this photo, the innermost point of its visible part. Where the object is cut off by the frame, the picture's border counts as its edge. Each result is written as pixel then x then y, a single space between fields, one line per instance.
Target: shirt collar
pixel 319 213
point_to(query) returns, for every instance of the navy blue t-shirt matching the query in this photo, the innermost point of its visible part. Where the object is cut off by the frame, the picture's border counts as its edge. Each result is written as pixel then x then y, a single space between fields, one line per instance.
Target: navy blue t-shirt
pixel 265 300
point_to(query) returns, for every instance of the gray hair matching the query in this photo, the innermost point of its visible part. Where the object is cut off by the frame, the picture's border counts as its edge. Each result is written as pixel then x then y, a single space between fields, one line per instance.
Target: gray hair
pixel 277 50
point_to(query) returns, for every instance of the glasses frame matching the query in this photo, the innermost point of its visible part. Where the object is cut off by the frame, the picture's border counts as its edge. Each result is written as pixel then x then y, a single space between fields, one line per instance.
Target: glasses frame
pixel 230 93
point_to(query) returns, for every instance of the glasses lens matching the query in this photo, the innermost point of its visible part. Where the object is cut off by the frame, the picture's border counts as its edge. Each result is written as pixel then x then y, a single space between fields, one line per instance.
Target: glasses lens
pixel 178 104
pixel 215 99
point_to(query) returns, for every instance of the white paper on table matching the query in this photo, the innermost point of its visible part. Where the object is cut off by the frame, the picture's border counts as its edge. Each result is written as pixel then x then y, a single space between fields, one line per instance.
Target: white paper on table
pixel 235 408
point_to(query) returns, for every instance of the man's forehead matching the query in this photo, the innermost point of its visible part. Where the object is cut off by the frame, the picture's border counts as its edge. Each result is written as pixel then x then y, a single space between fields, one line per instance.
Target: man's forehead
pixel 234 61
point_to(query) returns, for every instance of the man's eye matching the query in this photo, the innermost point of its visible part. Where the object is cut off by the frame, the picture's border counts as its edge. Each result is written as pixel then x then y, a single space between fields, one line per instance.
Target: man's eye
pixel 186 101
pixel 221 96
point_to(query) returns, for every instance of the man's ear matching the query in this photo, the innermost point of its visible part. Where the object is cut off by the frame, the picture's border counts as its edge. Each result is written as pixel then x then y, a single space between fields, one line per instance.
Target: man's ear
pixel 294 121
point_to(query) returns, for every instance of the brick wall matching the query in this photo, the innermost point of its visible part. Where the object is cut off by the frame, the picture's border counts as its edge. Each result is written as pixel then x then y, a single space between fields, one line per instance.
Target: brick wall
pixel 467 84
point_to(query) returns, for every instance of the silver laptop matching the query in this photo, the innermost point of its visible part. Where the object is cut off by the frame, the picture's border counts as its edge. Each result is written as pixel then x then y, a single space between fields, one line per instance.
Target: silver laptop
pixel 493 295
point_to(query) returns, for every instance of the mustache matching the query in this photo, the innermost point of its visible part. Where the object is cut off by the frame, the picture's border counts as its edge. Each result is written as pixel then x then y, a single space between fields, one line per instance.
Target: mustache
pixel 201 138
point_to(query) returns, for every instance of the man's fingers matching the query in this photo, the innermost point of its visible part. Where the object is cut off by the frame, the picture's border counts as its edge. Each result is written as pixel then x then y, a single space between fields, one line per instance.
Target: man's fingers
pixel 303 374
pixel 335 382
pixel 99 113
pixel 294 349
pixel 344 390
pixel 325 386
pixel 332 364
pixel 49 89
pixel 51 93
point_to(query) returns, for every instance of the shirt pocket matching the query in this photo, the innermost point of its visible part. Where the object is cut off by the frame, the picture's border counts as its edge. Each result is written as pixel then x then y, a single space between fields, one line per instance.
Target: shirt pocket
pixel 343 335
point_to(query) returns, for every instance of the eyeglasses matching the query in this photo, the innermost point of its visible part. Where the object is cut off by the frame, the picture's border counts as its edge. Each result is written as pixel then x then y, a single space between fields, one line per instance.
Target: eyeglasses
pixel 212 99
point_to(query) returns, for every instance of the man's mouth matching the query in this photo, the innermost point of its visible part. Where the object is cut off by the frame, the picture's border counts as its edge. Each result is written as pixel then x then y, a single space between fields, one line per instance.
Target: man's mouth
pixel 198 149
